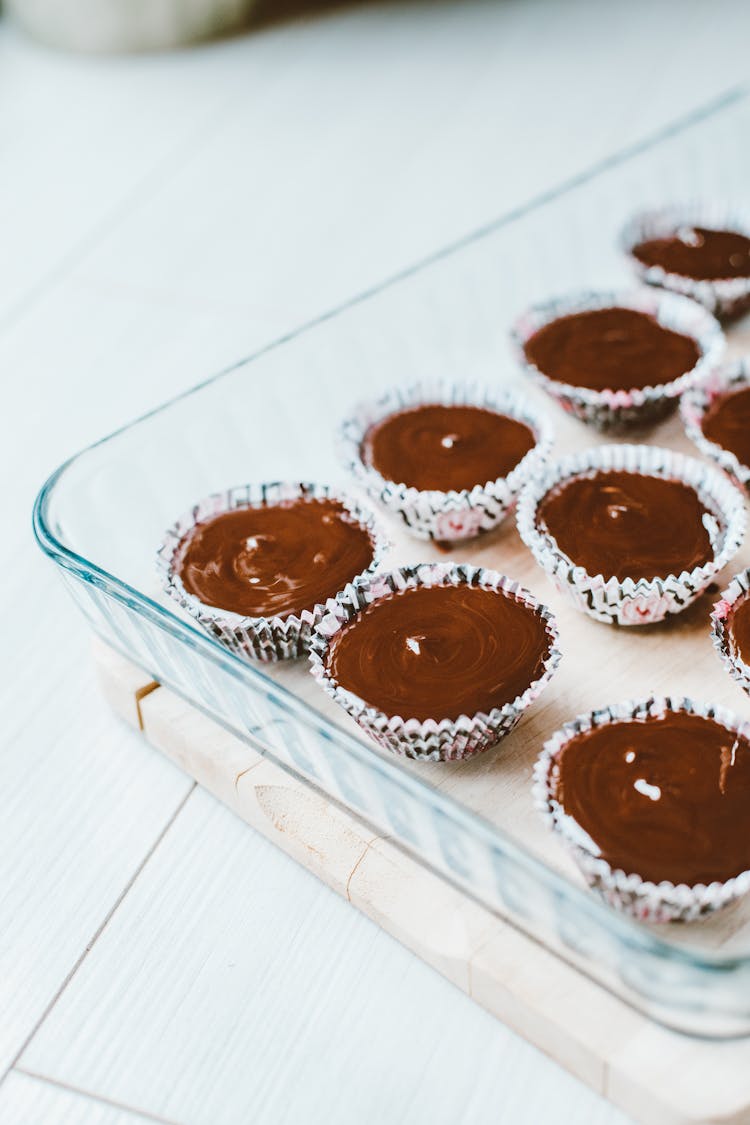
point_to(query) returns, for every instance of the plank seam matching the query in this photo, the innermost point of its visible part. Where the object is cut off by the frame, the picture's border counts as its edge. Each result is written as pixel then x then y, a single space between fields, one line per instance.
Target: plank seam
pixel 101 1099
pixel 72 973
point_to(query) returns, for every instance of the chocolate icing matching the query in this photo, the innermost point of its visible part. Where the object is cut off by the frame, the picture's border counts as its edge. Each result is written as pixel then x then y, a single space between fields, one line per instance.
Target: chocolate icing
pixel 739 630
pixel 698 252
pixel 627 525
pixel 611 349
pixel 727 422
pixel 446 447
pixel 440 652
pixel 274 560
pixel 664 798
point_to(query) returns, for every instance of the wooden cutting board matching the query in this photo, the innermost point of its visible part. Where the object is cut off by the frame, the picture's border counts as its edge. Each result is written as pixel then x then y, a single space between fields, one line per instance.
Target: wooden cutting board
pixel 656 1075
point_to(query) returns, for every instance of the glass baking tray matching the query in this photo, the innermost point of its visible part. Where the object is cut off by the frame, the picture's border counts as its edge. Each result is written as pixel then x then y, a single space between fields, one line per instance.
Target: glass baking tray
pixel 101 517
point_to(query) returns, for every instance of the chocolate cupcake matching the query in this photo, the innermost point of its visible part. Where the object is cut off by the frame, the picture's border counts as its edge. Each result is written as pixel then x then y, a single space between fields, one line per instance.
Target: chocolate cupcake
pixel 616 360
pixel 447 459
pixel 651 799
pixel 697 249
pixel 255 565
pixel 631 533
pixel 716 416
pixel 436 661
pixel 730 628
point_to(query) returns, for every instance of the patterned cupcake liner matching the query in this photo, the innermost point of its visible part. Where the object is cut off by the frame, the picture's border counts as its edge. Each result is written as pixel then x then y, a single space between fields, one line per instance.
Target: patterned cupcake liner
pixel 615 410
pixel 432 740
pixel 695 404
pixel 629 893
pixel 727 297
pixel 631 601
pixel 432 514
pixel 721 628
pixel 256 638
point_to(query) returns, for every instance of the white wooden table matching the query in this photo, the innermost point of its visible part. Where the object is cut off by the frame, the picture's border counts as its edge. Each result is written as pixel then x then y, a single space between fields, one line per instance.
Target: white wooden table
pixel 161 217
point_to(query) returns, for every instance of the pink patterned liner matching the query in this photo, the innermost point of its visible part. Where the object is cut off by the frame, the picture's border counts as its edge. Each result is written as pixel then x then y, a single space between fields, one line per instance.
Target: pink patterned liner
pixel 432 514
pixel 724 297
pixel 696 403
pixel 620 409
pixel 643 900
pixel 432 740
pixel 721 628
pixel 256 638
pixel 628 601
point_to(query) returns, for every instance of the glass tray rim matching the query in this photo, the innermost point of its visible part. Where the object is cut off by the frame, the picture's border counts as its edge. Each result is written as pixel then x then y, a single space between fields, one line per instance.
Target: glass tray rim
pixel 708 968
pixel 626 931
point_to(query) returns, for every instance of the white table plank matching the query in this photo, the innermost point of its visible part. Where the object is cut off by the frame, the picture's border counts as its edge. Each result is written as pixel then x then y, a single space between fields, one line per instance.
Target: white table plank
pixel 83 140
pixel 264 150
pixel 83 802
pixel 27 1100
pixel 235 988
pixel 386 133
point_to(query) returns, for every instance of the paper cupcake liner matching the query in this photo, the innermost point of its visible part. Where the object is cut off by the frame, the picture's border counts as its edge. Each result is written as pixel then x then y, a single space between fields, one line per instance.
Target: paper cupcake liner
pixel 432 740
pixel 629 893
pixel 727 297
pixel 614 410
pixel 721 628
pixel 631 601
pixel 256 638
pixel 696 403
pixel 432 514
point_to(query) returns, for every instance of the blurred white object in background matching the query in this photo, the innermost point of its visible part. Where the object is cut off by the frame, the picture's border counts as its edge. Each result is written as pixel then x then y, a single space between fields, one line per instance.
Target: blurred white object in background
pixel 127 25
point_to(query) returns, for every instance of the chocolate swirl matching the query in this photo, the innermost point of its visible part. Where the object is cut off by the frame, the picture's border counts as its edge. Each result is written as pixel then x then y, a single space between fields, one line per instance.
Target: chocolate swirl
pixel 664 798
pixel 274 560
pixel 440 652
pixel 611 349
pixel 699 253
pixel 446 447
pixel 739 630
pixel 727 423
pixel 627 525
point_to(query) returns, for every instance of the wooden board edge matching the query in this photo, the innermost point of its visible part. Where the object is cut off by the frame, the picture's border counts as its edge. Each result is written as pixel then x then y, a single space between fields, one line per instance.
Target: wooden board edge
pixel 497 965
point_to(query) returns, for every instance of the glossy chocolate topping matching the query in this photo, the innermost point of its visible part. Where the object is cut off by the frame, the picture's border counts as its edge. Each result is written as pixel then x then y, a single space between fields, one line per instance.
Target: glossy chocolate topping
pixel 276 559
pixel 663 798
pixel 611 349
pixel 440 652
pixel 446 447
pixel 698 252
pixel 627 525
pixel 739 628
pixel 727 422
